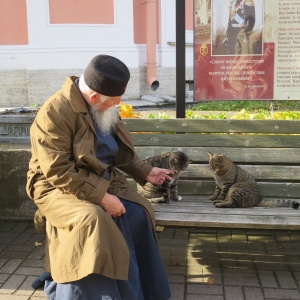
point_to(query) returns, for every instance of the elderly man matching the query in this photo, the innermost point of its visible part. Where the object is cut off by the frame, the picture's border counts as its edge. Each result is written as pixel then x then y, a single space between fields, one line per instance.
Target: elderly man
pixel 100 232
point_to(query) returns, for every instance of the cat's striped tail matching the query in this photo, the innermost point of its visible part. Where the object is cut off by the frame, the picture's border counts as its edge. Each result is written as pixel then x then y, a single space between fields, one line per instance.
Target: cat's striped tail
pixel 279 203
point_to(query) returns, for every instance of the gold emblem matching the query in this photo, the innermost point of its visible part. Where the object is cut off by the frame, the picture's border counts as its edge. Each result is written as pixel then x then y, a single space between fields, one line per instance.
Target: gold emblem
pixel 203 50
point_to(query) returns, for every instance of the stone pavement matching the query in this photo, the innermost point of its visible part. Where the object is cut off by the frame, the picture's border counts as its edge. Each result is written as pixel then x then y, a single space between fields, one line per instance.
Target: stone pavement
pixel 202 264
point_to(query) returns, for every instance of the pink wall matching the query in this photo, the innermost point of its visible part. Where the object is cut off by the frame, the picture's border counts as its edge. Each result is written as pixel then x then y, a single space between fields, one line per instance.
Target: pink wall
pixel 13 17
pixel 189 15
pixel 13 22
pixel 81 12
pixel 139 15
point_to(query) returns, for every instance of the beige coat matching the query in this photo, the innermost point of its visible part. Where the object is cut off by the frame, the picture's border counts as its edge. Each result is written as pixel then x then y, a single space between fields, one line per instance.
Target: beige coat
pixel 66 181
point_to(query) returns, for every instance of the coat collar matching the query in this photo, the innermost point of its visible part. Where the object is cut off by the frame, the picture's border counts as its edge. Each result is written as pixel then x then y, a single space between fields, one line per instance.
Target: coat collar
pixel 74 96
pixel 76 100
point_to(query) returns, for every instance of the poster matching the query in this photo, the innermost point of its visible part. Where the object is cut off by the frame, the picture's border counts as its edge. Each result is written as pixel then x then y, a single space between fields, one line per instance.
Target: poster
pixel 247 49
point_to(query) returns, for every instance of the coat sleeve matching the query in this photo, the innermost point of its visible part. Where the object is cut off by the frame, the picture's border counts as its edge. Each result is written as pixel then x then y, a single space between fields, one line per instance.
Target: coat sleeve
pixel 53 139
pixel 137 169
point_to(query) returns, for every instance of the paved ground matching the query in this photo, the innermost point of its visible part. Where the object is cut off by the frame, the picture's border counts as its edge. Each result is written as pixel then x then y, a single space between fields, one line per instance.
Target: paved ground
pixel 202 264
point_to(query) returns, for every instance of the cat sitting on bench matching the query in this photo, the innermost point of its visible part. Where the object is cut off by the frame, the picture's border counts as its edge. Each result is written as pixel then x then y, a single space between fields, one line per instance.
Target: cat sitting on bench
pixel 235 187
pixel 176 161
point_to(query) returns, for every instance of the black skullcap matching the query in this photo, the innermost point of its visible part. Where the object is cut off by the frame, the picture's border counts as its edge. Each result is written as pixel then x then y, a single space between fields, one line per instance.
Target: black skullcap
pixel 107 75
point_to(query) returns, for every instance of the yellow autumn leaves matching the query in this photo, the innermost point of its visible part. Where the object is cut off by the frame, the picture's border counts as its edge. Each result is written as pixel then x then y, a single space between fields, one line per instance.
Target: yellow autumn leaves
pixel 126 111
pixel 266 115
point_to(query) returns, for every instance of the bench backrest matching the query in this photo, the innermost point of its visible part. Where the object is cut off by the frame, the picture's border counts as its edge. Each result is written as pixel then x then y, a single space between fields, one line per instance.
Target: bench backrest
pixel 268 149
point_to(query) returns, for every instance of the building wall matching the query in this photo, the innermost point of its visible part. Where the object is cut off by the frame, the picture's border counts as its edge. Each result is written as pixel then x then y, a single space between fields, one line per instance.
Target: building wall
pixel 13 32
pixel 50 39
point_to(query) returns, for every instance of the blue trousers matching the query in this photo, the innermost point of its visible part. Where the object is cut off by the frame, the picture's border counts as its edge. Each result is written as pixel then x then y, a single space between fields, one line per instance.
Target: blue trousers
pixel 147 279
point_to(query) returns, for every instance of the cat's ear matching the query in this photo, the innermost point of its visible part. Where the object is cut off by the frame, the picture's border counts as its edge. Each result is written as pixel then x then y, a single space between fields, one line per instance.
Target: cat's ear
pixel 210 154
pixel 220 158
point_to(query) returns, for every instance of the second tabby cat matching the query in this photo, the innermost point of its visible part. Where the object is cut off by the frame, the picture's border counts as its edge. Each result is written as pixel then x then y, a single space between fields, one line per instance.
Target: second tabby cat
pixel 235 187
pixel 176 161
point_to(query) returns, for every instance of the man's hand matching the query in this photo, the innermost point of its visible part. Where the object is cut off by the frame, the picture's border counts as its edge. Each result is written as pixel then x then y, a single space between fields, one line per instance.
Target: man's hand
pixel 112 205
pixel 159 175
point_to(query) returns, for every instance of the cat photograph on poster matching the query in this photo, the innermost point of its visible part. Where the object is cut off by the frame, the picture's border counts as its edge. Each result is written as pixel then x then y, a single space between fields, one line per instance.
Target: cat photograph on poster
pixel 237 27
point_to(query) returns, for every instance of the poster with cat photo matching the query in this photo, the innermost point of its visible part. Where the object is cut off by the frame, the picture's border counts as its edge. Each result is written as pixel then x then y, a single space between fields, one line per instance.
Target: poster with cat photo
pixel 246 49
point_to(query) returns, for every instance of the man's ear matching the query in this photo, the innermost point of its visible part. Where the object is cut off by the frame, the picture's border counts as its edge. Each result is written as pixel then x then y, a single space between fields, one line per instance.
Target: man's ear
pixel 93 95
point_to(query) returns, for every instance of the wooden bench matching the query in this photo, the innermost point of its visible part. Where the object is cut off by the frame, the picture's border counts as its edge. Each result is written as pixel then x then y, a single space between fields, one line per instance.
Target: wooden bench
pixel 268 149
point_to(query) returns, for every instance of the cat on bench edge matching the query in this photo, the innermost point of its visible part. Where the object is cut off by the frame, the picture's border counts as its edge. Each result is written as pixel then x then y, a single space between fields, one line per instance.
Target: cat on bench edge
pixel 235 187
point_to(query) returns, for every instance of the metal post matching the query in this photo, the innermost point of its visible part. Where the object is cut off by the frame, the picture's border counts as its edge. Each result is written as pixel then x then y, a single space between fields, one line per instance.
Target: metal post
pixel 180 58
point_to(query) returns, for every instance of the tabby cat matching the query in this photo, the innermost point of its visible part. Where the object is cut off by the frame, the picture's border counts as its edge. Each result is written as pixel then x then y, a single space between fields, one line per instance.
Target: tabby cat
pixel 235 187
pixel 176 161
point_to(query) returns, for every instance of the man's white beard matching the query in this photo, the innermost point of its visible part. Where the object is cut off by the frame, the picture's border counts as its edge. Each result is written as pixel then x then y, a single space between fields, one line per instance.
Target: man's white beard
pixel 105 120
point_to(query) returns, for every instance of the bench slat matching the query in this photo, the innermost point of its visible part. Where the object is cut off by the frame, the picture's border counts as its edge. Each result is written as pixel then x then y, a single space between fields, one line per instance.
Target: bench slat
pixel 216 140
pixel 268 189
pixel 259 172
pixel 239 155
pixel 196 125
pixel 221 221
pixel 202 213
pixel 204 206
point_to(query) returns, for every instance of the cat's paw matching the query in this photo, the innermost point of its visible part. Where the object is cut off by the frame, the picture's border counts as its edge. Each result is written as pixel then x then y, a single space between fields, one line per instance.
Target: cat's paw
pixel 223 204
pixel 212 197
pixel 219 205
pixel 217 202
pixel 177 199
pixel 158 200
